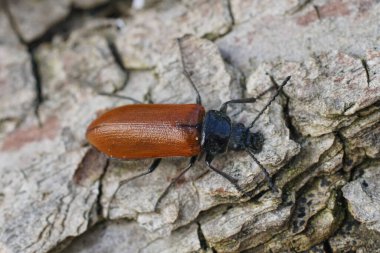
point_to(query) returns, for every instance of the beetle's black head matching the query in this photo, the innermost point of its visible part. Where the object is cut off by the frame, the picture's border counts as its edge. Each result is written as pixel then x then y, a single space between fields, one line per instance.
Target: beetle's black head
pixel 216 133
pixel 241 139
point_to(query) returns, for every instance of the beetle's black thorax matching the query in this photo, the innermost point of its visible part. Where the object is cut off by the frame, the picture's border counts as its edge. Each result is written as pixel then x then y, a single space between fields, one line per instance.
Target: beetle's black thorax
pixel 216 132
pixel 220 134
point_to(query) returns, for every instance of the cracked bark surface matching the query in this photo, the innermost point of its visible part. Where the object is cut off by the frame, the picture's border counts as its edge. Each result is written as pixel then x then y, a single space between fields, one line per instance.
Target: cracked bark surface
pixel 322 134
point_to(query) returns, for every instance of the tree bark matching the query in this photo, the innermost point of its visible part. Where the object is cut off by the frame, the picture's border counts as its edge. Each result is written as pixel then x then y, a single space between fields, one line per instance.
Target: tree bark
pixel 322 134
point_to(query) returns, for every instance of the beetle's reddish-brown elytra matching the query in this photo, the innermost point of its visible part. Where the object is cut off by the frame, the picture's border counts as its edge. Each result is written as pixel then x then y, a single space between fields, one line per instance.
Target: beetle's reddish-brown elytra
pixel 148 131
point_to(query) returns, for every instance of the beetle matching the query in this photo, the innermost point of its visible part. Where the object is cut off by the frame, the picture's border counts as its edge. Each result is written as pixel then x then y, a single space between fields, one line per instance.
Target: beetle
pixel 141 131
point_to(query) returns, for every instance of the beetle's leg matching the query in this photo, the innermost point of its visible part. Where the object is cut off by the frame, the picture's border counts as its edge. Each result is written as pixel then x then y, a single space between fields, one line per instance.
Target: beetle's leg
pixel 120 96
pixel 270 101
pixel 184 71
pixel 229 178
pixel 152 167
pixel 266 174
pixel 174 181
pixel 223 108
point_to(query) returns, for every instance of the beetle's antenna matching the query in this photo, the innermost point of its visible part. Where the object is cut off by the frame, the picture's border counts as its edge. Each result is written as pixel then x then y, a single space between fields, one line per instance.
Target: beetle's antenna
pixel 184 71
pixel 266 174
pixel 270 101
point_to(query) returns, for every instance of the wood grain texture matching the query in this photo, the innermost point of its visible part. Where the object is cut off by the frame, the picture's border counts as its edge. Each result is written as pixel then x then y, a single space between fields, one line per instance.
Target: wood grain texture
pixel 148 131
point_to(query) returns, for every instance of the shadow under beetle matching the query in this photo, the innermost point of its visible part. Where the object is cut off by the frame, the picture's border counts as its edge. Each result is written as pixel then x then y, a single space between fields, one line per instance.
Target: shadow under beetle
pixel 141 131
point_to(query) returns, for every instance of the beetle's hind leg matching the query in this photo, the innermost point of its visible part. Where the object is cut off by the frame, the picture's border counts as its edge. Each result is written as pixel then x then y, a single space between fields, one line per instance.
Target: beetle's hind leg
pixel 229 178
pixel 174 181
pixel 151 168
pixel 120 96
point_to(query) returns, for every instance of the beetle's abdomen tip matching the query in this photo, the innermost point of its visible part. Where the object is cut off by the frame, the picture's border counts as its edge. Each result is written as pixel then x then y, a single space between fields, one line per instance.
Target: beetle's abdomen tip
pixel 94 137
